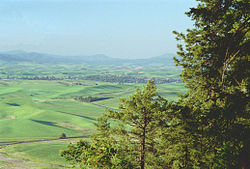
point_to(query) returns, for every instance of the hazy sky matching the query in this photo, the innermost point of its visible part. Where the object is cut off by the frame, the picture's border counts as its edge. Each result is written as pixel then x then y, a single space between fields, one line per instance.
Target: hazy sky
pixel 118 28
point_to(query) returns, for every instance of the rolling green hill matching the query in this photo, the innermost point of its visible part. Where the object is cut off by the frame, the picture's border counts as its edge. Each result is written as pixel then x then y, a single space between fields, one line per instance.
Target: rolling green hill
pixel 39 100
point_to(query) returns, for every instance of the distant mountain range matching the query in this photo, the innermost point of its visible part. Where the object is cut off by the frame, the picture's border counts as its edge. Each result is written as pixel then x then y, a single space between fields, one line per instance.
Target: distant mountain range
pixel 98 59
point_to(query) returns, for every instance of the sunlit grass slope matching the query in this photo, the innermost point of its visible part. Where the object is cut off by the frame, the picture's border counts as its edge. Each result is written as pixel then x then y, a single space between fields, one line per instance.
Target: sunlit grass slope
pixel 48 152
pixel 34 110
pixel 45 109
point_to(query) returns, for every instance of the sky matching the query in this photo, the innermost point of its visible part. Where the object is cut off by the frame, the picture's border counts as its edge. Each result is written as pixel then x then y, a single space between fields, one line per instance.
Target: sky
pixel 117 28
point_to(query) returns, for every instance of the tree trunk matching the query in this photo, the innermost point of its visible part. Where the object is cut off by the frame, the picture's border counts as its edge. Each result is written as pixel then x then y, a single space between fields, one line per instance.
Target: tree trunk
pixel 142 155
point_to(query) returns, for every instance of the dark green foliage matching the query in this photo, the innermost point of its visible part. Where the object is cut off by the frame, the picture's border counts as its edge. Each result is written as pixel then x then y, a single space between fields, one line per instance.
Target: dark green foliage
pixel 130 142
pixel 215 61
pixel 63 136
pixel 129 79
pixel 141 114
pixel 91 98
pixel 102 152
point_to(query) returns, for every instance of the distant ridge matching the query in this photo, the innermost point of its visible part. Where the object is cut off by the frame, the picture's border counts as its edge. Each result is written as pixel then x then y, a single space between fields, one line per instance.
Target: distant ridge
pixel 17 56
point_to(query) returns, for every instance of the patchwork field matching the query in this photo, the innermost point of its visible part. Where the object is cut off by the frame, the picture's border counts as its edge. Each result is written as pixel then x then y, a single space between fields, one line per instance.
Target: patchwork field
pixel 42 110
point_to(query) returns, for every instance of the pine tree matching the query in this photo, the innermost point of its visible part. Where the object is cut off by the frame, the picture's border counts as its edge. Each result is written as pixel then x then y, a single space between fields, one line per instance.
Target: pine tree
pixel 130 140
pixel 103 151
pixel 141 114
pixel 215 61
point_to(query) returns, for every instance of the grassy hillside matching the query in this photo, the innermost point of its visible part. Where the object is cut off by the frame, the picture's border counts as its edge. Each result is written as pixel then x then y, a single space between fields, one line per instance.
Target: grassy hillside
pixel 44 109
pixel 47 108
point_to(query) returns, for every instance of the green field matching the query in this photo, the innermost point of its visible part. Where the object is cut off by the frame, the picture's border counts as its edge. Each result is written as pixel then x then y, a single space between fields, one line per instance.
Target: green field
pixel 44 109
pixel 34 109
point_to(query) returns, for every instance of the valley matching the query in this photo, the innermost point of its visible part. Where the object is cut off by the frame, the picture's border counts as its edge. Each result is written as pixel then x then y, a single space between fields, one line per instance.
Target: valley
pixel 40 102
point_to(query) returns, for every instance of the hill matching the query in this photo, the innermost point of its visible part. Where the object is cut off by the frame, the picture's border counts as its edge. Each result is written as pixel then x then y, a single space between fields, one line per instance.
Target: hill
pixel 98 59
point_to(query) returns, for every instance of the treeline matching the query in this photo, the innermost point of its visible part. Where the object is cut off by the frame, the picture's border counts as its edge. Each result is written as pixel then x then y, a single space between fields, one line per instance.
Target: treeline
pixel 103 78
pixel 129 79
pixel 43 77
pixel 90 98
pixel 35 77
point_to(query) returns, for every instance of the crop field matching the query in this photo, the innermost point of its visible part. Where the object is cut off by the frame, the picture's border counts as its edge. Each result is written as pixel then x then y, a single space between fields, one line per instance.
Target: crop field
pixel 41 110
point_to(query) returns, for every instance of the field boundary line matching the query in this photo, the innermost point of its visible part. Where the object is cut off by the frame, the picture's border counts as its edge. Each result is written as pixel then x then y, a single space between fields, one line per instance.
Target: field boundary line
pixel 34 141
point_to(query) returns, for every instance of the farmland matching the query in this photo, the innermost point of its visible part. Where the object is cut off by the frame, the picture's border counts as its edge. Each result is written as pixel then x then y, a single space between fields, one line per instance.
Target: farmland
pixel 40 110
